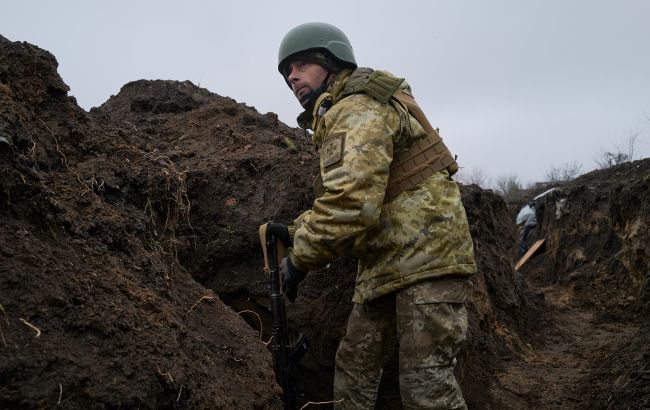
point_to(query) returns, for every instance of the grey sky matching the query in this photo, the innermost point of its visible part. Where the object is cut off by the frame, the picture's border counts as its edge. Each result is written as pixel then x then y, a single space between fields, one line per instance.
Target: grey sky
pixel 515 86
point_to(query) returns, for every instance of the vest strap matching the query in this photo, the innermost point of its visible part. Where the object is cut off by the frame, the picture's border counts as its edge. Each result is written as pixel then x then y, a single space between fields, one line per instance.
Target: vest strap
pixel 381 86
pixel 424 157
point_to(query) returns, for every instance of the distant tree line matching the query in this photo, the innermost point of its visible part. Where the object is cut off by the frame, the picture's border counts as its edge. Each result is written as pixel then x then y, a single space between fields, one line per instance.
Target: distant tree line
pixel 623 151
pixel 510 187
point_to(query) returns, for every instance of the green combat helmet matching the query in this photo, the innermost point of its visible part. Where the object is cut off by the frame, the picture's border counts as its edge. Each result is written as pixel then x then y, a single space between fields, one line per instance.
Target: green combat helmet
pixel 316 37
pixel 325 45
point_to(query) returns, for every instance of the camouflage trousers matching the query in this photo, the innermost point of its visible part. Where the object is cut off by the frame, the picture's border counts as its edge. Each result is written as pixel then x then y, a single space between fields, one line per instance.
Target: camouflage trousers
pixel 429 322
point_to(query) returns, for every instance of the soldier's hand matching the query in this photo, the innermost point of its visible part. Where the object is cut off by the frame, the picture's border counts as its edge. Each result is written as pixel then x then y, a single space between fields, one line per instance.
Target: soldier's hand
pixel 280 231
pixel 291 277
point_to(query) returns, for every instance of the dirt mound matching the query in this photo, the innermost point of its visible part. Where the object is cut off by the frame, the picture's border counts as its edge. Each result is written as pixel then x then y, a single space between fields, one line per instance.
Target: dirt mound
pixel 242 169
pixel 155 97
pixel 95 309
pixel 598 231
pixel 598 236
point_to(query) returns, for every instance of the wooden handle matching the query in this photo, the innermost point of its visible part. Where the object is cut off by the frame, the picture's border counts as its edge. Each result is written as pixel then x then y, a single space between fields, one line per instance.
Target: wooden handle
pixel 280 249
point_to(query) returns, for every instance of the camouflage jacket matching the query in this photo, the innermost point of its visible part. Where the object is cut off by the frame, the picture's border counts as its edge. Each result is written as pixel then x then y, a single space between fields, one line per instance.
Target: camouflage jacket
pixel 421 234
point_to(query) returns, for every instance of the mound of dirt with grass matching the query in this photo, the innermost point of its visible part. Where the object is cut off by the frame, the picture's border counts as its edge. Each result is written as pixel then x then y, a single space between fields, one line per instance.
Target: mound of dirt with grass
pixel 96 311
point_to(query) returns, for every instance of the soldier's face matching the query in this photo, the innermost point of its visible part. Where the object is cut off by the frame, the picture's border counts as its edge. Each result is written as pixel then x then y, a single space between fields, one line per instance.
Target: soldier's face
pixel 305 77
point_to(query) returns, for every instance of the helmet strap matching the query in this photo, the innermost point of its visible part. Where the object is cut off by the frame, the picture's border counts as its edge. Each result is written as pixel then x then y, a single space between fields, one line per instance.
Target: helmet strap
pixel 308 100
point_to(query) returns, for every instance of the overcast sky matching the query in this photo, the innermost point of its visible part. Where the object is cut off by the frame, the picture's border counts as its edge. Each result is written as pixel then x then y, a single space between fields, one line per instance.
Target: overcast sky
pixel 516 87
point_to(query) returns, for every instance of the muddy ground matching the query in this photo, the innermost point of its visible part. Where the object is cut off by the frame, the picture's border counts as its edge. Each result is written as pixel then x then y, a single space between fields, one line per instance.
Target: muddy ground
pixel 130 268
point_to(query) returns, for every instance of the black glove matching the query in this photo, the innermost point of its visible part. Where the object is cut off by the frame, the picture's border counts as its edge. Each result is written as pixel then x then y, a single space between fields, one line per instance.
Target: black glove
pixel 291 277
pixel 280 231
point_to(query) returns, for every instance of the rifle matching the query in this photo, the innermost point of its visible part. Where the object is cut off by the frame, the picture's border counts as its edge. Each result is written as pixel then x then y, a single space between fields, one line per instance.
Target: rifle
pixel 285 353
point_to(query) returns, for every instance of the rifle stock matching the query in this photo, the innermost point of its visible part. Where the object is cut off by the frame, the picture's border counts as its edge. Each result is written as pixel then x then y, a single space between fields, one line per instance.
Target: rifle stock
pixel 285 353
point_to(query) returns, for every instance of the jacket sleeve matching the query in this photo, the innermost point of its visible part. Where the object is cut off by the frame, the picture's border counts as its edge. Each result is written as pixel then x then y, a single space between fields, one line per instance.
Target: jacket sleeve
pixel 355 154
pixel 524 214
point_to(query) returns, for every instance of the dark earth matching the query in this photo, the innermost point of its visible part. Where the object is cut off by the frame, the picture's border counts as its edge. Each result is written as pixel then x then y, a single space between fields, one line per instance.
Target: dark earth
pixel 131 270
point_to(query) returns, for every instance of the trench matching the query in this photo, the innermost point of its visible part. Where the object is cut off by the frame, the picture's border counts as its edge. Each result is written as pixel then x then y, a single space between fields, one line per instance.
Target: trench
pixel 558 371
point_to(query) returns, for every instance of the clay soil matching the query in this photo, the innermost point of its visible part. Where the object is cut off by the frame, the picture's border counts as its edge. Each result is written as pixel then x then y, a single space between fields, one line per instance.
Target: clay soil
pixel 130 267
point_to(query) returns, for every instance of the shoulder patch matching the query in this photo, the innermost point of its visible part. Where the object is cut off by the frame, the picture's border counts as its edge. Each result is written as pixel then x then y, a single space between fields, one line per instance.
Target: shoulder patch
pixel 332 149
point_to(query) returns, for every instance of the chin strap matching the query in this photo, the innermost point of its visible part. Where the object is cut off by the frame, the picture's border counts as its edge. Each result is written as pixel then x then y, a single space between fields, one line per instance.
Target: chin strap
pixel 308 100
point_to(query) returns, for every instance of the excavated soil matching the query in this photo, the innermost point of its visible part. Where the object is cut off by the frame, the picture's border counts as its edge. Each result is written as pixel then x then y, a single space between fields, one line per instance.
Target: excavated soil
pixel 595 273
pixel 130 267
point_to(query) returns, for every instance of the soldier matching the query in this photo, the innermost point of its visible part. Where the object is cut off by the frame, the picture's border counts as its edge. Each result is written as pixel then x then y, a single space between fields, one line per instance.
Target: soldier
pixel 384 192
pixel 527 216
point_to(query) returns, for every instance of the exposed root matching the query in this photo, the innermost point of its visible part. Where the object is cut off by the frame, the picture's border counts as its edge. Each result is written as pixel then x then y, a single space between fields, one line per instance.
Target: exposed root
pixel 134 127
pixel 4 312
pixel 179 393
pixel 199 301
pixel 168 374
pixel 629 378
pixel 318 403
pixel 93 185
pixel 258 319
pixel 56 141
pixel 166 212
pixel 65 160
pixel 37 330
pixel 60 394
pixel 4 342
